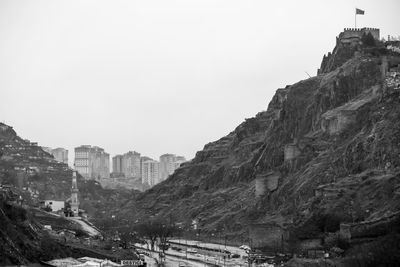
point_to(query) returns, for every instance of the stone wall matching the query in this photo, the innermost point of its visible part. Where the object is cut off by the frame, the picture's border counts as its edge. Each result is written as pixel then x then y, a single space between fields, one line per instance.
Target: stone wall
pixel 266 183
pixel 260 185
pixel 349 33
pixel 291 151
pixel 307 244
pixel 338 122
pixel 373 228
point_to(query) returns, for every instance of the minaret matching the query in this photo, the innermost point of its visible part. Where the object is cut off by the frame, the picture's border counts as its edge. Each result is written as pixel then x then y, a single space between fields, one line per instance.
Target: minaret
pixel 74 195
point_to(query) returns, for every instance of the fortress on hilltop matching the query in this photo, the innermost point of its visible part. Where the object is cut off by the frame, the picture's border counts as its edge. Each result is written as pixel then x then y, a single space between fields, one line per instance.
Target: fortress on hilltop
pixel 349 35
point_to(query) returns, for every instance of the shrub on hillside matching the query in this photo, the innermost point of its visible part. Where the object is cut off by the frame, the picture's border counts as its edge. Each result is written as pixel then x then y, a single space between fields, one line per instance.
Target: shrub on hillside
pixel 368 39
pixel 14 213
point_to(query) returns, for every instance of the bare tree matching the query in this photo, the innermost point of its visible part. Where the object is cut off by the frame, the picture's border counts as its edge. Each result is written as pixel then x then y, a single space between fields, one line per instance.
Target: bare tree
pixel 156 230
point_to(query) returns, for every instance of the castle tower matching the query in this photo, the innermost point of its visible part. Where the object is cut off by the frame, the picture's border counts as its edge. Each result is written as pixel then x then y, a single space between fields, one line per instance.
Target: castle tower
pixel 74 195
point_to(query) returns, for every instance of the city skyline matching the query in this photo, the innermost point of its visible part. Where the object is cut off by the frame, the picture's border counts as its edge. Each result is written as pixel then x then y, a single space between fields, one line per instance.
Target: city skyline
pixel 71 158
pixel 94 163
pixel 160 76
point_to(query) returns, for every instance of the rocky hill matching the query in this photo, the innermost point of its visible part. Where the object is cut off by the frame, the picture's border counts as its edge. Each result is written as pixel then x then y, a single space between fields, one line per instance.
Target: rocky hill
pixel 22 239
pixel 38 176
pixel 28 171
pixel 324 153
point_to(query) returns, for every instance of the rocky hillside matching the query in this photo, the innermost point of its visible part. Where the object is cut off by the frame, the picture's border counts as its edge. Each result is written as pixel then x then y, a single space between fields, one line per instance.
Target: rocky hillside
pixel 325 151
pixel 22 239
pixel 38 176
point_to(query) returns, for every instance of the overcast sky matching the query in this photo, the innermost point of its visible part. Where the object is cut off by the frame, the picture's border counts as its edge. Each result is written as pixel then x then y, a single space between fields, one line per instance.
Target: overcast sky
pixel 159 76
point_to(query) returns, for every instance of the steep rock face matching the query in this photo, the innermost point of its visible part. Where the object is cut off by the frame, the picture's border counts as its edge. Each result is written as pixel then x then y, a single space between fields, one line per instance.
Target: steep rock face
pixel 326 146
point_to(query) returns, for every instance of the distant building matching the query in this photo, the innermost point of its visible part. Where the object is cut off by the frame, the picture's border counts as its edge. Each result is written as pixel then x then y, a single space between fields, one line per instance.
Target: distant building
pixel 60 154
pixel 117 165
pixel 131 164
pixel 47 149
pixel 178 161
pixel 92 162
pixel 168 164
pixel 150 171
pixel 55 205
pixel 101 163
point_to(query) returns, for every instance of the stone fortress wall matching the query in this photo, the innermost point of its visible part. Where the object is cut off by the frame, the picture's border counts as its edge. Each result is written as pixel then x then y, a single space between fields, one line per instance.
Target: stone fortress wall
pixel 349 33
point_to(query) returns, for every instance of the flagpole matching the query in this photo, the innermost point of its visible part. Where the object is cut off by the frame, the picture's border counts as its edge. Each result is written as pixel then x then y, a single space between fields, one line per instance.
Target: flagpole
pixel 355 18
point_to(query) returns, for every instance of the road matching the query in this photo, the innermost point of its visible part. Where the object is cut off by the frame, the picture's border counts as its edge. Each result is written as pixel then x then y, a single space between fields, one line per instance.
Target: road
pixel 171 261
pixel 202 257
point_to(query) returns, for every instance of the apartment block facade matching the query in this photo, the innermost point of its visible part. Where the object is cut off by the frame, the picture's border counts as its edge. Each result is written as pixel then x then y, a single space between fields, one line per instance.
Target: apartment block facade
pixel 149 171
pixel 92 162
pixel 131 164
pixel 168 164
pixel 60 154
pixel 117 164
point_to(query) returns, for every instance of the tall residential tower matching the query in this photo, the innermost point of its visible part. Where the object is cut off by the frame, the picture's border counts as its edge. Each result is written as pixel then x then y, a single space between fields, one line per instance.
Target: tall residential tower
pixel 92 162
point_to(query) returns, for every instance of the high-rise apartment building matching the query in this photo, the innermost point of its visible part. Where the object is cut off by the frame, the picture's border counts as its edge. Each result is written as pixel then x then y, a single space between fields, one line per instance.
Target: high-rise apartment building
pixel 131 164
pixel 168 164
pixel 149 171
pixel 127 165
pixel 117 164
pixel 60 154
pixel 92 162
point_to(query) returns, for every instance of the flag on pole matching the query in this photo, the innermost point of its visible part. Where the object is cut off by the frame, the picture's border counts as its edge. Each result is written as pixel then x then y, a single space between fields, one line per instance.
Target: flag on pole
pixel 359 11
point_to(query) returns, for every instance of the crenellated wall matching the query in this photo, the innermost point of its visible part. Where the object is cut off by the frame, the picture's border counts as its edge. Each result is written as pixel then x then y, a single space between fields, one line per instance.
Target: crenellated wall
pixel 349 33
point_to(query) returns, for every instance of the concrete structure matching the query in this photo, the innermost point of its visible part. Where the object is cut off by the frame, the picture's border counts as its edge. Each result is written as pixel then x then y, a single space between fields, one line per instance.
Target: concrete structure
pixel 60 154
pixel 74 195
pixel 168 164
pixel 130 164
pixel 55 205
pixel 150 171
pixel 101 163
pixel 92 162
pixel 117 164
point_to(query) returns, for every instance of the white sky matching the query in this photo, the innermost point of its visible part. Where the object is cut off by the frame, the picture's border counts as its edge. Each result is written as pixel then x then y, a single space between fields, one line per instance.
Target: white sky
pixel 159 76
